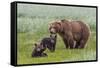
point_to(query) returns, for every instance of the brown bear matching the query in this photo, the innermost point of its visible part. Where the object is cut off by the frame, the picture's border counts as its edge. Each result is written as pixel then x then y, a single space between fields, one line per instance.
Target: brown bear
pixel 74 33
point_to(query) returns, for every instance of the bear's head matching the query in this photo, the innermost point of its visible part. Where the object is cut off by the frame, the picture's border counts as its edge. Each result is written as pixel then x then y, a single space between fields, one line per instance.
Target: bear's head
pixel 57 26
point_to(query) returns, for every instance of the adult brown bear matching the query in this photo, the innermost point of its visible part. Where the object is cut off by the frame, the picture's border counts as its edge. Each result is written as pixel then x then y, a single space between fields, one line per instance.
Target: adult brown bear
pixel 74 33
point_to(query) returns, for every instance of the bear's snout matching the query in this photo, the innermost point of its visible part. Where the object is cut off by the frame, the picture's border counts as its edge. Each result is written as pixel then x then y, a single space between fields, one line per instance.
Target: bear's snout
pixel 52 31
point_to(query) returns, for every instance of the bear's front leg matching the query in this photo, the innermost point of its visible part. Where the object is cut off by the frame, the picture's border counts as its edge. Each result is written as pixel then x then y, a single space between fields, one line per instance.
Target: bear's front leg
pixel 70 40
pixel 53 47
pixel 71 43
pixel 66 43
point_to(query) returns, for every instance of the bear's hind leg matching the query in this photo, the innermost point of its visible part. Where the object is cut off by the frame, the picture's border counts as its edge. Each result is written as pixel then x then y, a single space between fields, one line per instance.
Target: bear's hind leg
pixel 77 45
pixel 82 44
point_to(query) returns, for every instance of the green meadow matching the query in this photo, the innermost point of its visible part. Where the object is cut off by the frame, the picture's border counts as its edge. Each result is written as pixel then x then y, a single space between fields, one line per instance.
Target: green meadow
pixel 32 25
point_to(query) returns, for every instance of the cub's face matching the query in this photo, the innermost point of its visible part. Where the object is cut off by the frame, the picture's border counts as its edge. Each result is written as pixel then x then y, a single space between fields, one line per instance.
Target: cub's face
pixel 38 47
pixel 54 27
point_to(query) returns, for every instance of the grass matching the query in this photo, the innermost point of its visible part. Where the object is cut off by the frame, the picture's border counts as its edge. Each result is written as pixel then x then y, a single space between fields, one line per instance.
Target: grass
pixel 32 26
pixel 25 47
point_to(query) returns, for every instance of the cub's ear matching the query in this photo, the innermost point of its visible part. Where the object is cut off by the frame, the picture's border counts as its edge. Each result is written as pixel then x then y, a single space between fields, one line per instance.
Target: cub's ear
pixel 35 44
pixel 55 35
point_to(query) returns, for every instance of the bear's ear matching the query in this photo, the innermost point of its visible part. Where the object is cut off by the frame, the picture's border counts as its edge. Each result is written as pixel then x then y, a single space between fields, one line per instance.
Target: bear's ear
pixel 59 23
pixel 49 26
pixel 64 20
pixel 60 26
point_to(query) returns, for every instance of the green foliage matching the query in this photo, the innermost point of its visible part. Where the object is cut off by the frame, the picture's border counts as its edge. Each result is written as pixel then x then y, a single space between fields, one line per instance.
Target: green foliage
pixel 33 20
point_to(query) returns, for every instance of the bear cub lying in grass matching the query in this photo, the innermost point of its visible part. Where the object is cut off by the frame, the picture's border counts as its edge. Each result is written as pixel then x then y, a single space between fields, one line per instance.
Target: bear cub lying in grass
pixel 47 42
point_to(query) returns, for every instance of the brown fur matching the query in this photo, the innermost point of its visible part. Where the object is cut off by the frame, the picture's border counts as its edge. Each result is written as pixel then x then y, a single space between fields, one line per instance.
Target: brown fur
pixel 74 33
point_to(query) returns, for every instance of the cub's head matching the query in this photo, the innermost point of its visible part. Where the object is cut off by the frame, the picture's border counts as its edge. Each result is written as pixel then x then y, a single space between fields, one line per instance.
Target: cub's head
pixel 38 47
pixel 38 50
pixel 53 36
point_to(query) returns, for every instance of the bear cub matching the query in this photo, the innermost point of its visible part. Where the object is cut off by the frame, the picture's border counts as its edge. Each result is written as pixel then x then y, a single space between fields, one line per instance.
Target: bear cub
pixel 47 42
